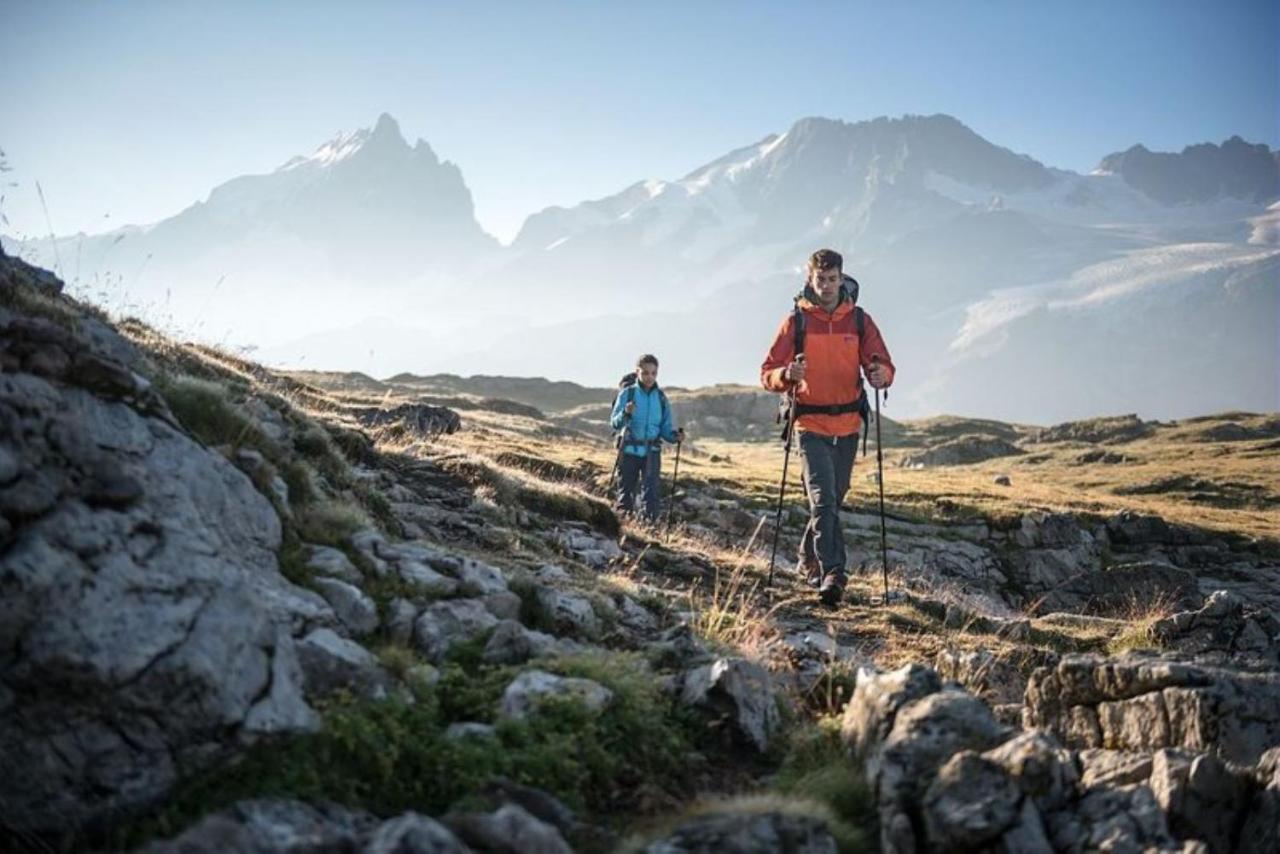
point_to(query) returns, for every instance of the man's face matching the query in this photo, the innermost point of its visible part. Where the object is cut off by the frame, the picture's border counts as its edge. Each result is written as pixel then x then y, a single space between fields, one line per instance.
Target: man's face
pixel 647 374
pixel 826 284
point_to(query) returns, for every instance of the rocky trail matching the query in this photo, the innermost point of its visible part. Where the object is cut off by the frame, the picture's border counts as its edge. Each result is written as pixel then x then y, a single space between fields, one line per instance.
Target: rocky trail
pixel 241 612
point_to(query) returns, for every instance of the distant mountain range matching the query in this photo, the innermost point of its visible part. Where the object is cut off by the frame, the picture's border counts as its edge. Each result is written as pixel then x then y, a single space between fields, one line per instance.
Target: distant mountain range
pixel 1005 288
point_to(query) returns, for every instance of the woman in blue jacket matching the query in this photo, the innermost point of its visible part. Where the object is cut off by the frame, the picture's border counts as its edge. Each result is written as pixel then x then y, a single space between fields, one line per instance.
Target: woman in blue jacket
pixel 642 414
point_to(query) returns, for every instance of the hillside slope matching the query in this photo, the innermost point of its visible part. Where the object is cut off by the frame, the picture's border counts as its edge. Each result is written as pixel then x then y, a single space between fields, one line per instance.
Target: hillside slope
pixel 241 612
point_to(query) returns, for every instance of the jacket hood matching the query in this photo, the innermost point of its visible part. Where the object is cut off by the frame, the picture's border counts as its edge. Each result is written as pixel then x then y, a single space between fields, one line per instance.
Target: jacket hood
pixel 807 299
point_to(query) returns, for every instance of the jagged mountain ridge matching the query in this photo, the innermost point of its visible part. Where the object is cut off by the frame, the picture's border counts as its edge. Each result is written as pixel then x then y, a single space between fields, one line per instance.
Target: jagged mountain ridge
pixel 366 214
pixel 938 223
pixel 1200 173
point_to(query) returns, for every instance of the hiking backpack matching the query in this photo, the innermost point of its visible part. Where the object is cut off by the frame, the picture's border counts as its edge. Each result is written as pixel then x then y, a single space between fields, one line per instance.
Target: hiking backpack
pixel 627 385
pixel 862 405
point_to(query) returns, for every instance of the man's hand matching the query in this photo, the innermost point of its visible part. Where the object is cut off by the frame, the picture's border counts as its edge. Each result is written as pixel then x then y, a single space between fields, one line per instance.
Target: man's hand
pixel 878 375
pixel 630 408
pixel 795 371
pixel 680 435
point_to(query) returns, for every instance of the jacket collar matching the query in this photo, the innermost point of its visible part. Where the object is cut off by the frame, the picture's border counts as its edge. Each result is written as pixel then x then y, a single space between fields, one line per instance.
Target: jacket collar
pixel 807 300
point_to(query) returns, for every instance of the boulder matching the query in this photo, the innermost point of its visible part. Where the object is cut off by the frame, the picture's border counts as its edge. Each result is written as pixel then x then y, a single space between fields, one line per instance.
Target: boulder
pixel 522 697
pixel 509 830
pixel 1202 797
pixel 332 663
pixel 570 613
pixel 272 825
pixel 412 833
pixel 354 608
pixel 970 803
pixel 926 733
pixel 443 624
pixel 1226 628
pixel 1146 702
pixel 877 697
pixel 742 691
pixel 112 512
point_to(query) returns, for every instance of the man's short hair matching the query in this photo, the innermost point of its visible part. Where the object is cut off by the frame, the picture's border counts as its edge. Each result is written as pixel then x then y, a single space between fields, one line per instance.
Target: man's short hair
pixel 647 359
pixel 826 259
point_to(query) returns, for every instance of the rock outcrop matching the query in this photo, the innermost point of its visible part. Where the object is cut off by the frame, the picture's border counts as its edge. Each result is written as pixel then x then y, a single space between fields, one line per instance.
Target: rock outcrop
pixel 145 628
pixel 947 776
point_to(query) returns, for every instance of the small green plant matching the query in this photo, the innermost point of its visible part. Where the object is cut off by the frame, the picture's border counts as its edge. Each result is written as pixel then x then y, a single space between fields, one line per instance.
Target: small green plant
pixel 817 767
pixel 316 446
pixel 1141 618
pixel 205 408
pixel 391 756
pixel 329 523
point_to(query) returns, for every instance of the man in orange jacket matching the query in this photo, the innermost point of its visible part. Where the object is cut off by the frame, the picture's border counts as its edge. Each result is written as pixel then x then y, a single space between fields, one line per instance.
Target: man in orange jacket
pixel 838 342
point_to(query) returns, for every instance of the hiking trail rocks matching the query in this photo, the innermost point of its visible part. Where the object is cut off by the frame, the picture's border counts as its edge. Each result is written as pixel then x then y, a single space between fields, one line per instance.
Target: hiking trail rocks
pixel 948 776
pixel 743 691
pixel 1147 702
pixel 145 626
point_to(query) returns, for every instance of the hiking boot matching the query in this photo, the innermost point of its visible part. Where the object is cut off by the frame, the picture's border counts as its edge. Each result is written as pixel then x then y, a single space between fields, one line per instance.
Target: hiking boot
pixel 832 590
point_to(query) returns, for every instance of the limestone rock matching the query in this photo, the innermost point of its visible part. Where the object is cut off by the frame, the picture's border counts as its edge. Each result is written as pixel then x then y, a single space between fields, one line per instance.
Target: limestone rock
pixel 443 624
pixel 355 609
pixel 328 561
pixel 271 825
pixel 412 833
pixel 1143 703
pixel 743 691
pixel 570 613
pixel 509 830
pixel 331 663
pixel 877 697
pixel 971 802
pixel 746 833
pixel 1227 628
pixel 522 696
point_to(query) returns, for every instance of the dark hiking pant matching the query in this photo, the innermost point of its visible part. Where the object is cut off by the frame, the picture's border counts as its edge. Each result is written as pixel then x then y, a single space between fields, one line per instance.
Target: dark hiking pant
pixel 644 472
pixel 828 467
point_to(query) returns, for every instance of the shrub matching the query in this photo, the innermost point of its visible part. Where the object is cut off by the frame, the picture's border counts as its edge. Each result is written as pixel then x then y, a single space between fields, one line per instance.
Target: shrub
pixel 392 756
pixel 817 767
pixel 206 410
pixel 329 523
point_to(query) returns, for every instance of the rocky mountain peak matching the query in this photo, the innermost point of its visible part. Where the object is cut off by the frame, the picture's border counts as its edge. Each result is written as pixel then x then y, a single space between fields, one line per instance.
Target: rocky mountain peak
pixel 1203 172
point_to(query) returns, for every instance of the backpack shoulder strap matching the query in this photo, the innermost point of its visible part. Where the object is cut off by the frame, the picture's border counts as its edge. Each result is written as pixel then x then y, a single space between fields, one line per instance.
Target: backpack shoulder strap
pixel 797 328
pixel 860 321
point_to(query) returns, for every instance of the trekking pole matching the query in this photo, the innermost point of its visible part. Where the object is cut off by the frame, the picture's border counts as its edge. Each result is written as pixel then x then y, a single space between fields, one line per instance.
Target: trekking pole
pixel 671 499
pixel 788 431
pixel 617 460
pixel 884 548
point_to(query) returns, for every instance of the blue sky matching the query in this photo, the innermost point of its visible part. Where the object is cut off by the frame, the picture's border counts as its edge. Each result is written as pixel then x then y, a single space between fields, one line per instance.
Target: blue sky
pixel 130 111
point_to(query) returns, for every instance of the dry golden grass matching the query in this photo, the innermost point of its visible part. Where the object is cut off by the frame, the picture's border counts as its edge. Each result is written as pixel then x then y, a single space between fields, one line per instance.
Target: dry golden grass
pixel 1048 478
pixel 726 593
pixel 1141 617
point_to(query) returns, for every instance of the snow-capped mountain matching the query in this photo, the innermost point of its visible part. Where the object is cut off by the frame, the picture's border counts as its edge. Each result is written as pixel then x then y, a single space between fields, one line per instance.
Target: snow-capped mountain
pixel 984 267
pixel 1005 287
pixel 366 224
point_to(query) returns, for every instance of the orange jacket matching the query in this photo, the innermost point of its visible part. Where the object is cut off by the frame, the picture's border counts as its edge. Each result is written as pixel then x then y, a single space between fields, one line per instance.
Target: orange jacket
pixel 833 355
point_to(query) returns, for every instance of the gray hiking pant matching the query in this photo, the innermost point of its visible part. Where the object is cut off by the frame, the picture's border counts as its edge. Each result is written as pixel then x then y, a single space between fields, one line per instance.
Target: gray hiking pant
pixel 646 471
pixel 828 467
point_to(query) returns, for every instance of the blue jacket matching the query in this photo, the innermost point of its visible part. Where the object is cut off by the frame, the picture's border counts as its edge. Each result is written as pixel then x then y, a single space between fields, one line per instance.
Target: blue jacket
pixel 650 422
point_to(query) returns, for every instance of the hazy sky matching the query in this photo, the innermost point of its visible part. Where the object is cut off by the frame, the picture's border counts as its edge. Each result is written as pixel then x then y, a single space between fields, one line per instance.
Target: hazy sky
pixel 129 111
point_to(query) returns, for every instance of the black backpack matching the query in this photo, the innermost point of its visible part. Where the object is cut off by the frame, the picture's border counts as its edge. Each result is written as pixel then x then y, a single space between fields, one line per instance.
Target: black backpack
pixel 851 288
